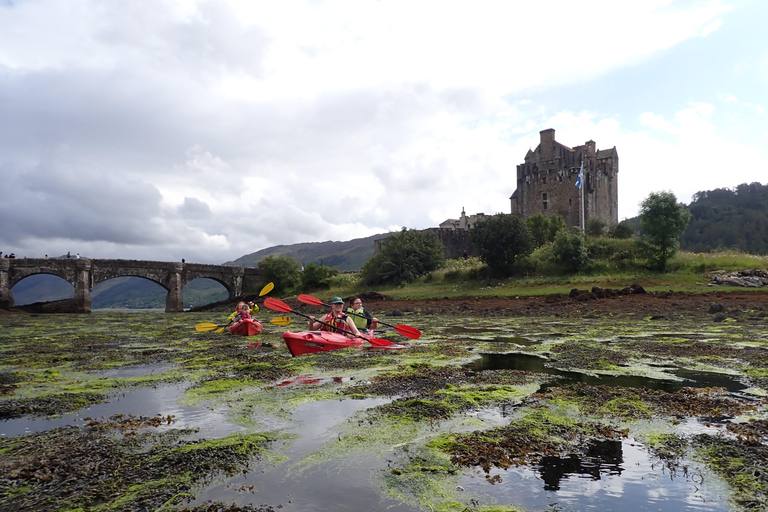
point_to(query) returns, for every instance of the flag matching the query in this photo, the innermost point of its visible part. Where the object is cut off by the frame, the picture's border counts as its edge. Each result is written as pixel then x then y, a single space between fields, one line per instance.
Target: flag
pixel 581 176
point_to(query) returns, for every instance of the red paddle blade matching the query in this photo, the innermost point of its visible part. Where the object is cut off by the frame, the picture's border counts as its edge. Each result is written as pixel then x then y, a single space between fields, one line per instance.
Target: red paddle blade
pixel 408 331
pixel 277 305
pixel 308 299
pixel 379 342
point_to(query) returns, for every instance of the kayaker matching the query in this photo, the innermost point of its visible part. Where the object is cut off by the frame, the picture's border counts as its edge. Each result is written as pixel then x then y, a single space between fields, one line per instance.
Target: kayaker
pixel 231 318
pixel 245 312
pixel 337 318
pixel 251 305
pixel 362 318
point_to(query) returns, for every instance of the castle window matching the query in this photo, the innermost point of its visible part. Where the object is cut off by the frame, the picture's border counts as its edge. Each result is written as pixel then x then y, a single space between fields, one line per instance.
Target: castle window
pixel 544 181
pixel 569 202
pixel 544 201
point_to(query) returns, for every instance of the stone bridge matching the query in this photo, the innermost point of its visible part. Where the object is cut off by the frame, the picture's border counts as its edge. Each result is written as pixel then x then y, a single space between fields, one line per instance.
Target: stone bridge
pixel 85 273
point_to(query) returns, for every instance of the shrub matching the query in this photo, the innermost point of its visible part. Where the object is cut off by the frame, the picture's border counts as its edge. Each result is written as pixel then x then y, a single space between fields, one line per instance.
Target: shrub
pixel 281 270
pixel 404 257
pixel 317 277
pixel 570 249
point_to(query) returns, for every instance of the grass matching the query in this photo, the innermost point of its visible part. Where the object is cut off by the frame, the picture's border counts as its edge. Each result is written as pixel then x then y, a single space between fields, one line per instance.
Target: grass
pixel 460 278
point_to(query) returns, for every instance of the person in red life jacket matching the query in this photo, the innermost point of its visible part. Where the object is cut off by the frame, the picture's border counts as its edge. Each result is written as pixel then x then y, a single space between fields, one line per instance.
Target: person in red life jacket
pixel 245 312
pixel 337 318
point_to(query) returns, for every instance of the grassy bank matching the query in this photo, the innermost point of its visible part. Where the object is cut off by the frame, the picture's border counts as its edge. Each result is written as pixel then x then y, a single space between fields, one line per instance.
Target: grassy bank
pixel 461 278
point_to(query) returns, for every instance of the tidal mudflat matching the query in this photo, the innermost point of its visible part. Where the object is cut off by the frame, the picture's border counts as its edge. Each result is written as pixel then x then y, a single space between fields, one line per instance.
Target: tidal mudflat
pixel 138 411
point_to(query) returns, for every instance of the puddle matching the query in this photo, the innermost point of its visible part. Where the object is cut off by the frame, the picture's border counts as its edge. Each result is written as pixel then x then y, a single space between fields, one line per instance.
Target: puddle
pixel 311 380
pixel 527 362
pixel 340 485
pixel 126 372
pixel 150 402
pixel 615 475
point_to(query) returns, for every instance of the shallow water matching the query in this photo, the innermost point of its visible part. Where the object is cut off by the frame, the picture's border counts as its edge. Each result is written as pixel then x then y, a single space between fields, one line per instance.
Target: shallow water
pixel 617 476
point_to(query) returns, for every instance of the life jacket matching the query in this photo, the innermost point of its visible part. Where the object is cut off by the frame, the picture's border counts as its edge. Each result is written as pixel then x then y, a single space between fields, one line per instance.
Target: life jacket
pixel 361 322
pixel 338 323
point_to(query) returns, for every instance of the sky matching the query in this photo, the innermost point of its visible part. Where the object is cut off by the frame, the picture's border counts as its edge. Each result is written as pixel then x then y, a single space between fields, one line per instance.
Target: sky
pixel 207 130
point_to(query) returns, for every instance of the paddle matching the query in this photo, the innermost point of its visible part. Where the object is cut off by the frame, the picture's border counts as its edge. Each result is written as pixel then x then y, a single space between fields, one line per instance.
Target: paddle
pixel 281 306
pixel 405 330
pixel 207 326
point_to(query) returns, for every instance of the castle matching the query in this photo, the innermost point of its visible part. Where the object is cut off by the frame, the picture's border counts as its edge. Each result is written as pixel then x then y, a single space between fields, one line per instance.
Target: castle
pixel 546 182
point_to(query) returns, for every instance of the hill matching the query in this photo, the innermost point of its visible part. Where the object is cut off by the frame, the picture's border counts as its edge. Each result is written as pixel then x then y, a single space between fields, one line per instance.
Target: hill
pixel 729 219
pixel 349 255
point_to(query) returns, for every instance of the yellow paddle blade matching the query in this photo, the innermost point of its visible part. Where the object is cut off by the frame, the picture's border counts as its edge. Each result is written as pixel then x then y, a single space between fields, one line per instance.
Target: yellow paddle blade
pixel 267 288
pixel 206 326
pixel 281 320
pixel 220 330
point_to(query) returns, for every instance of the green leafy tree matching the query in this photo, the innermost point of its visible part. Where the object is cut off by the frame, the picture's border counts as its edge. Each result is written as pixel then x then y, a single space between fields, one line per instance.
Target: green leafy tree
pixel 556 225
pixel 282 271
pixel 404 257
pixel 662 219
pixel 501 241
pixel 317 277
pixel 570 249
pixel 621 230
pixel 595 227
pixel 538 225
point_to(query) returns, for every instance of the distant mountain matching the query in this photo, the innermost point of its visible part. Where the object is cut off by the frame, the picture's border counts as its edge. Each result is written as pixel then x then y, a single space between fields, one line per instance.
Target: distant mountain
pixel 349 255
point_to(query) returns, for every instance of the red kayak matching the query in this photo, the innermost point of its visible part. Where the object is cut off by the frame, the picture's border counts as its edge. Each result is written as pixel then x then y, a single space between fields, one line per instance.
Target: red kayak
pixel 310 342
pixel 246 327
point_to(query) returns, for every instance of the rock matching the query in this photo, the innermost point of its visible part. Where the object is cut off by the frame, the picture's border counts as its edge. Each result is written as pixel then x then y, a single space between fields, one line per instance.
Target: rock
pixel 716 307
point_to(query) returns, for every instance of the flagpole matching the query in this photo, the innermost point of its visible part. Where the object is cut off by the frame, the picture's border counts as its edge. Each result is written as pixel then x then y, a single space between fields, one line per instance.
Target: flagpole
pixel 581 189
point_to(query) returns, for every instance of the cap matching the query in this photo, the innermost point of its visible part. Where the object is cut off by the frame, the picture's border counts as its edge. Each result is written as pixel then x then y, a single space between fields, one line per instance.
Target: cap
pixel 337 300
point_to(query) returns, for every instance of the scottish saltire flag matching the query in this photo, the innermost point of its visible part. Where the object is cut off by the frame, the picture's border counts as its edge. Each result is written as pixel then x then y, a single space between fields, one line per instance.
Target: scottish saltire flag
pixel 581 176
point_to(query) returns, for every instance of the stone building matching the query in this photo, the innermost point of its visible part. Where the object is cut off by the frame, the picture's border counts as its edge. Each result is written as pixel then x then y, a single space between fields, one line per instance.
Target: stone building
pixel 464 222
pixel 546 182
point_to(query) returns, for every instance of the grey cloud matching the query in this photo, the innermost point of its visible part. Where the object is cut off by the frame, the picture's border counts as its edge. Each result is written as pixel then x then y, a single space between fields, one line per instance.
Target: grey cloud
pixel 195 209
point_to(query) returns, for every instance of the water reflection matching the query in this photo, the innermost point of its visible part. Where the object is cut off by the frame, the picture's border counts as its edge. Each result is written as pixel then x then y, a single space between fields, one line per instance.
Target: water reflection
pixel 608 477
pixel 600 457
pixel 160 400
pixel 528 362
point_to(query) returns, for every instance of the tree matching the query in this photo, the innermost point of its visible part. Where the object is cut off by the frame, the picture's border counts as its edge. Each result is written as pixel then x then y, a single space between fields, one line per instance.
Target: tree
pixel 501 240
pixel 316 277
pixel 570 249
pixel 404 257
pixel 556 225
pixel 595 227
pixel 282 271
pixel 538 225
pixel 662 220
pixel 621 230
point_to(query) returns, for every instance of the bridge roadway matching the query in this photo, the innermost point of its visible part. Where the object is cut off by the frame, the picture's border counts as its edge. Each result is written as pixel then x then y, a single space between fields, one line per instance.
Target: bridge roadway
pixel 85 273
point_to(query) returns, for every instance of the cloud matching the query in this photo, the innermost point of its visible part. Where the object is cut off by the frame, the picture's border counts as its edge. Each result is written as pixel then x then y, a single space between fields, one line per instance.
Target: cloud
pixel 212 129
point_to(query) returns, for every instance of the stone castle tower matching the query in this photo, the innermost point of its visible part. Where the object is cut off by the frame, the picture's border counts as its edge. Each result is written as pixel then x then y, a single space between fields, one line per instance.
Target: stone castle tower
pixel 546 182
